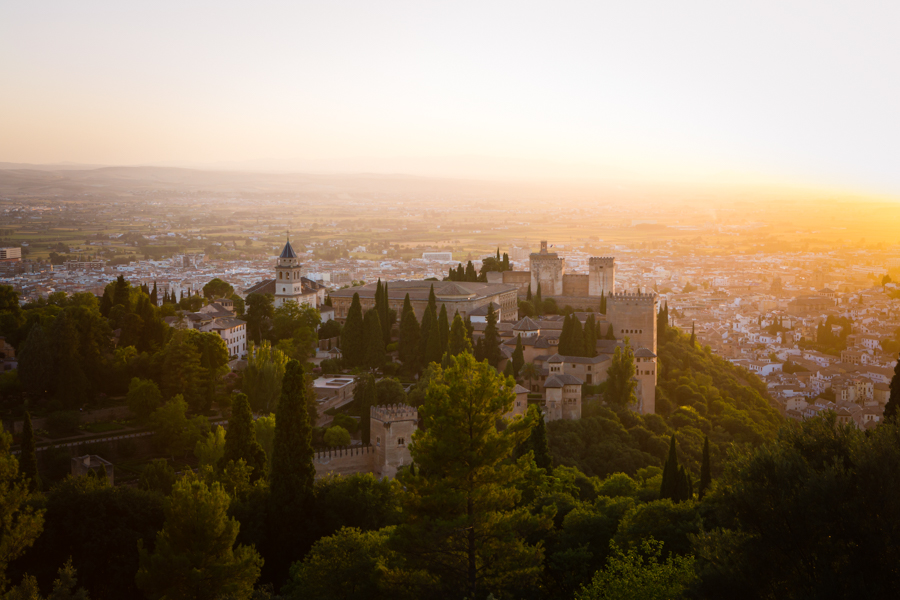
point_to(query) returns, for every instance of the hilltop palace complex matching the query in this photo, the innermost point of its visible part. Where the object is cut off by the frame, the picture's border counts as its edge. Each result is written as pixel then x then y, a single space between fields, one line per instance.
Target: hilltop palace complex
pixel 631 316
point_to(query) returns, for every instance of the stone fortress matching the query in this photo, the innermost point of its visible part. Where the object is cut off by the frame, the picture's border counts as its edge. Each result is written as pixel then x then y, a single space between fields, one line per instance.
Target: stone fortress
pixel 391 430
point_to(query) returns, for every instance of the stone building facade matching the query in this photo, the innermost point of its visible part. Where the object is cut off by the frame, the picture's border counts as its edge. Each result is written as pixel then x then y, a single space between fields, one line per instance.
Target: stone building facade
pixel 459 297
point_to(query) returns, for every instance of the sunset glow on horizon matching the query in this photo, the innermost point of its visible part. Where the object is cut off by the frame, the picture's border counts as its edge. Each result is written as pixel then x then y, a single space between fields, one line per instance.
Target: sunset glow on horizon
pixel 780 93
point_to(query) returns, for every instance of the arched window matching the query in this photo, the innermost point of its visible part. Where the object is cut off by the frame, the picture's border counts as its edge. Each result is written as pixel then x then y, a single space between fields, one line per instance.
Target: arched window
pixel 279 274
pixel 400 441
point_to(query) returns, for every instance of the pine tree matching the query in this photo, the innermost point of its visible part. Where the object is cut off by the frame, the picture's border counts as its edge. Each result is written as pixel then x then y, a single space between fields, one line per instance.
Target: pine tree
pixel 444 328
pixel 240 441
pixel 518 357
pixel 375 356
pixel 292 475
pixel 353 337
pixel 458 341
pixel 491 338
pixel 28 457
pixel 590 337
pixel 409 336
pixel 705 475
pixel 893 403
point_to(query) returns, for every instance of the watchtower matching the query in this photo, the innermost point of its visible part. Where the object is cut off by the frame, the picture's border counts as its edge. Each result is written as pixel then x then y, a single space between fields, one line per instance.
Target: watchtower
pixel 547 269
pixel 288 281
pixel 601 275
pixel 391 430
pixel 633 316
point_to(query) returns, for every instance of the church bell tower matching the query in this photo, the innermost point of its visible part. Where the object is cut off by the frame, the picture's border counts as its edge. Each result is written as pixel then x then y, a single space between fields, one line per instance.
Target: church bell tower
pixel 288 284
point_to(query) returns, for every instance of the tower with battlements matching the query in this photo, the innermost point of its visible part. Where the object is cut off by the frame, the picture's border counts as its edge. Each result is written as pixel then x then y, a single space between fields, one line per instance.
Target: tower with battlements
pixel 547 269
pixel 392 427
pixel 601 275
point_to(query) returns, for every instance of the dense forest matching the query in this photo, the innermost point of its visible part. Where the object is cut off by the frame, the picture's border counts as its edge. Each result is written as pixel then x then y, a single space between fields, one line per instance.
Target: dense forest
pixel 714 496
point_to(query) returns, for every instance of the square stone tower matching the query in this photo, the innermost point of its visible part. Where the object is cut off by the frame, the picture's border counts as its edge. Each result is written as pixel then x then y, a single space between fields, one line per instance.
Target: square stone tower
pixel 601 275
pixel 392 427
pixel 547 269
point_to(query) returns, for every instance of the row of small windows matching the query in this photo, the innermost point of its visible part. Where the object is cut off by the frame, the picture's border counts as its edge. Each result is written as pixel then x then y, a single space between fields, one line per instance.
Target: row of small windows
pixel 632 331
pixel 295 273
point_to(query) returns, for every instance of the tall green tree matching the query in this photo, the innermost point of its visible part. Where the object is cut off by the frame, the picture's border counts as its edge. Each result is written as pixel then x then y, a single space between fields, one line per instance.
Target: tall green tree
pixel 705 474
pixel 409 336
pixel 122 293
pixel 433 351
pixel 182 372
pixel 610 332
pixel 471 275
pixel 28 454
pixel 429 317
pixel 353 335
pixel 528 295
pixel 603 303
pixel 518 356
pixel 143 397
pixel 175 433
pixel 693 336
pixel 538 301
pixel 72 384
pixel 564 347
pixel 537 441
pixel 195 554
pixel 443 328
pixel 530 372
pixel 893 403
pixel 463 525
pixel 620 382
pixel 590 337
pixel 386 316
pixel 375 356
pixel 364 396
pixel 260 309
pixel 216 288
pixel 240 441
pixel 492 338
pixel 263 375
pixel 36 371
pixel 458 341
pixel 292 474
pixel 20 522
pixel 154 295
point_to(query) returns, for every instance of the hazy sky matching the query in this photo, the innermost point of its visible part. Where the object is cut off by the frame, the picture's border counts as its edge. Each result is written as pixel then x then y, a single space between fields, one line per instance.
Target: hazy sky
pixel 780 90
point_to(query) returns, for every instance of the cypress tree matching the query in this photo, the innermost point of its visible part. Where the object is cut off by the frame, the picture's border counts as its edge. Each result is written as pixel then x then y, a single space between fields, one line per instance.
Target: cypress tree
pixel 576 337
pixel 28 457
pixel 458 341
pixel 105 303
pixel 444 328
pixel 705 476
pixel 603 303
pixel 470 331
pixel 528 295
pixel 538 301
pixel 683 486
pixel 379 300
pixel 385 314
pixel 471 275
pixel 538 441
pixel 292 476
pixel 893 403
pixel 508 370
pixel 365 397
pixel 693 337
pixel 565 338
pixel 432 300
pixel 433 351
pixel 353 337
pixel 610 332
pixel 409 336
pixel 120 292
pixel 498 253
pixel 506 266
pixel 491 338
pixel 670 473
pixel 518 357
pixel 425 331
pixel 240 439
pixel 590 337
pixel 154 295
pixel 375 355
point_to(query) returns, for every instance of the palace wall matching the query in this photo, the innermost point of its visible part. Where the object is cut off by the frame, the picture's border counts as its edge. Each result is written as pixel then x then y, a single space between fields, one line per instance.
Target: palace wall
pixel 576 284
pixel 634 316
